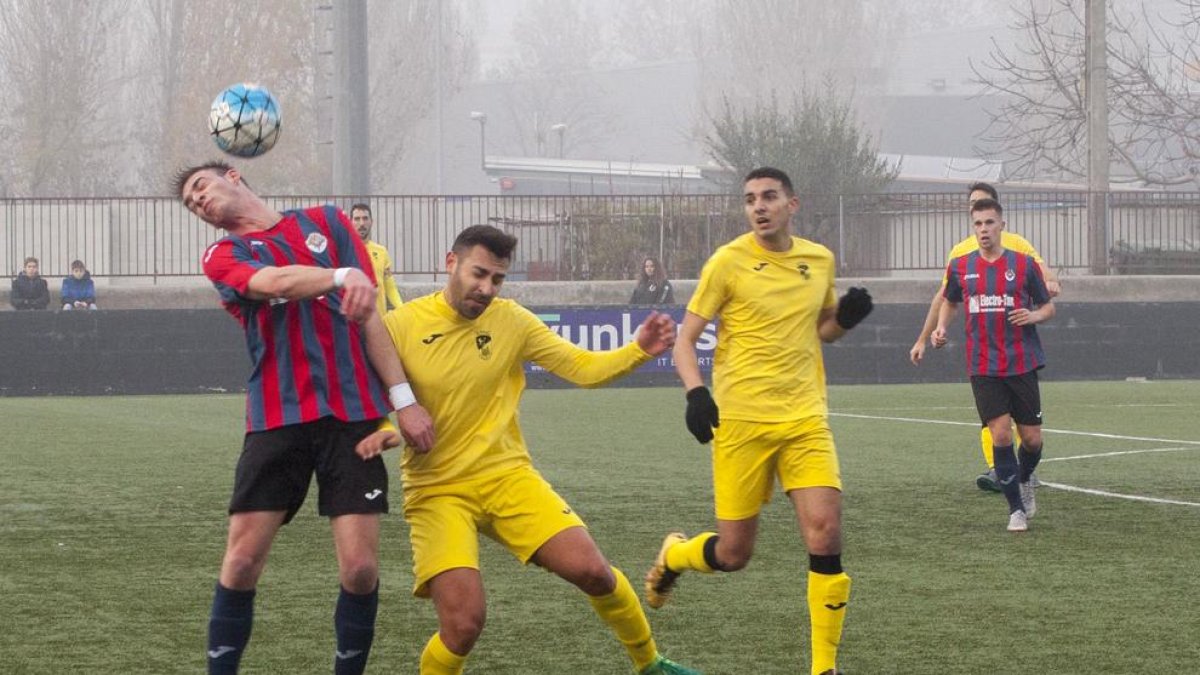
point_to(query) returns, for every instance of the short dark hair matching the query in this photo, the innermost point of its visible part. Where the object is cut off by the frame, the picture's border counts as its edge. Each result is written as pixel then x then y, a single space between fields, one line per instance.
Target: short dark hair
pixel 31 259
pixel 185 174
pixel 495 240
pixel 78 265
pixel 987 204
pixel 361 206
pixel 771 172
pixel 986 187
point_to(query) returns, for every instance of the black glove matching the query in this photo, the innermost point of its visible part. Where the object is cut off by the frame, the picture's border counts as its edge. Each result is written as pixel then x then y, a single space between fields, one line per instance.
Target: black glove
pixel 854 306
pixel 702 414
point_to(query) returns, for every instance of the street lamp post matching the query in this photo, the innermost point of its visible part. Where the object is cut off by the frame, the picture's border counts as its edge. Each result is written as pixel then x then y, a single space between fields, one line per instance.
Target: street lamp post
pixel 482 119
pixel 560 129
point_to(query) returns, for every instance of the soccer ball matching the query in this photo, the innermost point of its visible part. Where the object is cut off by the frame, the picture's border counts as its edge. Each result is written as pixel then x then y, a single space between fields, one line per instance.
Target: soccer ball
pixel 244 120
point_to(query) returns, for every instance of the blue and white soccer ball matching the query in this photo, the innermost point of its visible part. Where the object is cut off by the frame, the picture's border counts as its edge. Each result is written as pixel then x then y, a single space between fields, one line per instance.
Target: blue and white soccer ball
pixel 244 120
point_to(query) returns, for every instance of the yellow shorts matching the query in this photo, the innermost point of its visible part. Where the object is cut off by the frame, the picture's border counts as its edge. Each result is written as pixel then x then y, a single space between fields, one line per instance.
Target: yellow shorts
pixel 748 455
pixel 517 508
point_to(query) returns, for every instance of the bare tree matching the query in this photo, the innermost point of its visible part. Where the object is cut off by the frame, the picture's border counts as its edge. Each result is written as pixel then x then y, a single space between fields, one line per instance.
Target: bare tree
pixel 1154 77
pixel 747 48
pixel 59 68
pixel 187 52
pixel 655 30
pixel 560 43
pixel 405 39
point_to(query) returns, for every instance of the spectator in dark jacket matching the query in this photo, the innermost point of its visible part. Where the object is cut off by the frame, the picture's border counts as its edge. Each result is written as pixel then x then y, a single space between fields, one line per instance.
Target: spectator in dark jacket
pixel 78 290
pixel 653 287
pixel 29 289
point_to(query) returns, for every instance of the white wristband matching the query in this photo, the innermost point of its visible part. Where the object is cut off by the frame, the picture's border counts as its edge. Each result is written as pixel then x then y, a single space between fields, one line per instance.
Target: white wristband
pixel 339 276
pixel 401 396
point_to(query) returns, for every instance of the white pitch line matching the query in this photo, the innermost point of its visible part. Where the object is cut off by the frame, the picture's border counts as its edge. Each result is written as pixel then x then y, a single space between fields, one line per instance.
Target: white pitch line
pixel 1118 495
pixel 1191 445
pixel 1093 434
pixel 1114 454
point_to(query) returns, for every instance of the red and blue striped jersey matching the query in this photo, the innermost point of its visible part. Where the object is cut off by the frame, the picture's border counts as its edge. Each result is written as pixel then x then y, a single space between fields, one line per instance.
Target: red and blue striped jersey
pixel 989 291
pixel 308 360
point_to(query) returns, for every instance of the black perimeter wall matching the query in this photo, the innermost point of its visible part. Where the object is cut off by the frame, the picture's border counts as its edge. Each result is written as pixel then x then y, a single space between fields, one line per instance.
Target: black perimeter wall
pixel 201 351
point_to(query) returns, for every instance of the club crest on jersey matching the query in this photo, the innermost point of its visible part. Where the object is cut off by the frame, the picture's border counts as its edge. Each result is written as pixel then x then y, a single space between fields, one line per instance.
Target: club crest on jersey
pixel 483 342
pixel 803 267
pixel 316 242
pixel 1009 275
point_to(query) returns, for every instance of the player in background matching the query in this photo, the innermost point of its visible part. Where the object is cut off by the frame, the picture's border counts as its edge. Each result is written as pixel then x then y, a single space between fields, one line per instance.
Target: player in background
pixel 381 262
pixel 1006 297
pixel 300 284
pixel 1014 242
pixel 464 349
pixel 774 294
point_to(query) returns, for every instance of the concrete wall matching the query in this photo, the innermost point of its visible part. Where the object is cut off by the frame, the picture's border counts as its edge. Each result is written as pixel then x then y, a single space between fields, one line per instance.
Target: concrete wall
pixel 202 350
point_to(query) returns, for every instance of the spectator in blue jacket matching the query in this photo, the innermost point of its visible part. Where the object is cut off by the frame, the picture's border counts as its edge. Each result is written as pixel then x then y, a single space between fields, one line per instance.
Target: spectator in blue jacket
pixel 78 290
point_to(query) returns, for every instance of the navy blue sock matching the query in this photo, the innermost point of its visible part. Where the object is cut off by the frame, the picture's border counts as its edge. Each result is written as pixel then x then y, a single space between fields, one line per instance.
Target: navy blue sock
pixel 229 629
pixel 1006 475
pixel 1029 461
pixel 354 623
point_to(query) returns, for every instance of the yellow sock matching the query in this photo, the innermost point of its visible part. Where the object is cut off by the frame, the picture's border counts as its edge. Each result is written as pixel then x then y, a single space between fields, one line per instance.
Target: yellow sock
pixel 437 659
pixel 623 613
pixel 985 440
pixel 689 555
pixel 828 595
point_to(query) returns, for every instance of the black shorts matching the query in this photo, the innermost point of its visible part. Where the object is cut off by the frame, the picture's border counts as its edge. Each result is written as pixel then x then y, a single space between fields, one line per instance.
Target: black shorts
pixel 276 468
pixel 1015 395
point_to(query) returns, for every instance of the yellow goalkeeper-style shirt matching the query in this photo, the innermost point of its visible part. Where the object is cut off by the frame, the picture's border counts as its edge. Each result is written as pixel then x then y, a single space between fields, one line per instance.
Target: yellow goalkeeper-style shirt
pixel 469 375
pixel 768 365
pixel 1008 240
pixel 382 264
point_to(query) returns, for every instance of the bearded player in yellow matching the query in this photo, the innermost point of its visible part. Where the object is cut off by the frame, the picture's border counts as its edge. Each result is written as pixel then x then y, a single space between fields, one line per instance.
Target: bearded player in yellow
pixel 470 348
pixel 775 297
pixel 1011 241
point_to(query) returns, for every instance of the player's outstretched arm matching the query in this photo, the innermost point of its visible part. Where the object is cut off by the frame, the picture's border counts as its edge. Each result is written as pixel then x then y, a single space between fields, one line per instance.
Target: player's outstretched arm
pixel 386 436
pixel 851 309
pixel 415 422
pixel 939 337
pixel 918 349
pixel 702 414
pixel 1052 283
pixel 303 282
pixel 656 334
pixel 1028 317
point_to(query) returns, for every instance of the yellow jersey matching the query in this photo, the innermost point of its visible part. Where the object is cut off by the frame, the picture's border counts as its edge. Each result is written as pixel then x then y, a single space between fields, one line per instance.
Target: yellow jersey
pixel 382 264
pixel 768 365
pixel 1008 240
pixel 469 375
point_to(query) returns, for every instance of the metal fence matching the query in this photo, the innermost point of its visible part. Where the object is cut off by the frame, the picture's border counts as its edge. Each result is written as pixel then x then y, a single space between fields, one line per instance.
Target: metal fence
pixel 594 237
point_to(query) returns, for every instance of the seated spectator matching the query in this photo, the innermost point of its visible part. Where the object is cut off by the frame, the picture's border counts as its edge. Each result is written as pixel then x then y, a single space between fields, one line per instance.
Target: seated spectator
pixel 29 289
pixel 78 290
pixel 653 287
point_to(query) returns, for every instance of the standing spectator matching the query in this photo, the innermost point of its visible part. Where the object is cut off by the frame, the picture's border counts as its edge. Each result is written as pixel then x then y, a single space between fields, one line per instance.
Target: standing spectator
pixel 389 296
pixel 653 287
pixel 78 290
pixel 29 289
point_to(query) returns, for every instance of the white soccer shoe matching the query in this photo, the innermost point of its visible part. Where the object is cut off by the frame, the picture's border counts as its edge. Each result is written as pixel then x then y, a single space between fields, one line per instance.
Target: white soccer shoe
pixel 1017 522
